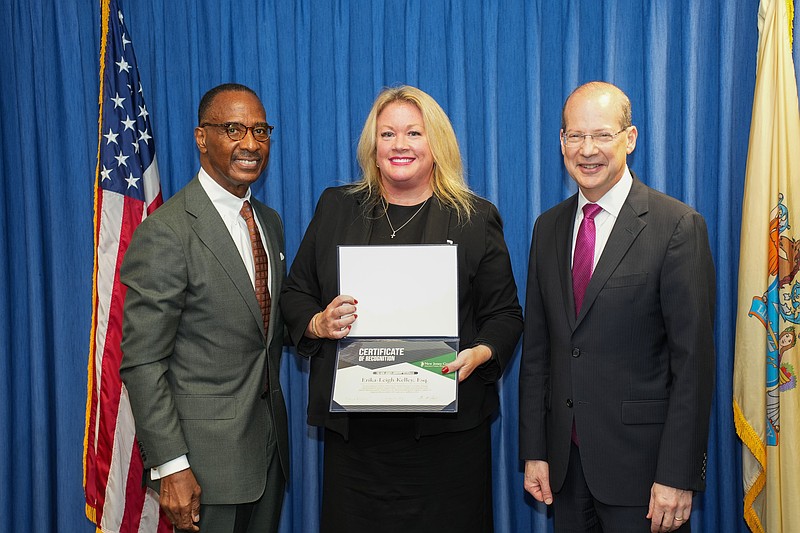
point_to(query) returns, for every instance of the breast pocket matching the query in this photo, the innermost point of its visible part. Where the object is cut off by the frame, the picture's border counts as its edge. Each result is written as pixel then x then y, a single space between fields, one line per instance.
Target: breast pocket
pixel 625 290
pixel 627 280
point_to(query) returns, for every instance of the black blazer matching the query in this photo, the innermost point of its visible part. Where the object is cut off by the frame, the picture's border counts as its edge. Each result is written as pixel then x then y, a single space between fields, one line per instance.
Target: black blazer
pixel 489 312
pixel 636 367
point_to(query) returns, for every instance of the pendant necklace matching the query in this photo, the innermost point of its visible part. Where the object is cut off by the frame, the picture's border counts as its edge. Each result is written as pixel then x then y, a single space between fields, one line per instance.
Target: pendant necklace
pixel 386 212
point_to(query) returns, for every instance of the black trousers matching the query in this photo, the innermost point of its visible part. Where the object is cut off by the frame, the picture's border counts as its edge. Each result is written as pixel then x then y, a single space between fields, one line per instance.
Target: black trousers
pixel 576 511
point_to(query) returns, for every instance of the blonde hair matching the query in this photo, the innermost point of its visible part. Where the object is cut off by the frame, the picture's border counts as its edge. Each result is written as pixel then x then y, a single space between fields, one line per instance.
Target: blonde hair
pixel 447 182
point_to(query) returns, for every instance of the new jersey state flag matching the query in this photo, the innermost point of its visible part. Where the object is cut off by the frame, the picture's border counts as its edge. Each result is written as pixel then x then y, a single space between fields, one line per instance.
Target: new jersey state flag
pixel 126 189
pixel 766 398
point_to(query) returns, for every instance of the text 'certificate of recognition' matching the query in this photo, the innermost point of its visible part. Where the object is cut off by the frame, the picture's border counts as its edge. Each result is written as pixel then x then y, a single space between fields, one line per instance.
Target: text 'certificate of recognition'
pixel 406 331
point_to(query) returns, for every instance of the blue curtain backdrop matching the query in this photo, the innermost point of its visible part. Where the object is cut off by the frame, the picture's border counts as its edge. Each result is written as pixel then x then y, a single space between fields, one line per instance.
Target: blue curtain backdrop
pixel 501 69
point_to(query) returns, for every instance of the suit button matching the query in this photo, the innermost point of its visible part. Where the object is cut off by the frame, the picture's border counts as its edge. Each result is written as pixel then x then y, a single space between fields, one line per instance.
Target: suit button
pixel 569 403
pixel 576 352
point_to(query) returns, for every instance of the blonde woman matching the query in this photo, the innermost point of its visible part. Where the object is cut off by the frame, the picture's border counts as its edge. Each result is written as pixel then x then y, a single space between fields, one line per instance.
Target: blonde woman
pixel 407 472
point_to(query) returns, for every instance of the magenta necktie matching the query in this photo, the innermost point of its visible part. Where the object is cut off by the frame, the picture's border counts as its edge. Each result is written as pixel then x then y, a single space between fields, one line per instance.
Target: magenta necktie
pixel 583 260
pixel 260 261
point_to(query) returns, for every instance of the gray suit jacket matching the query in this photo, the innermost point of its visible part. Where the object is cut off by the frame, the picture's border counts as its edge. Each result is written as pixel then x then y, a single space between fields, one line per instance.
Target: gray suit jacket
pixel 636 367
pixel 195 356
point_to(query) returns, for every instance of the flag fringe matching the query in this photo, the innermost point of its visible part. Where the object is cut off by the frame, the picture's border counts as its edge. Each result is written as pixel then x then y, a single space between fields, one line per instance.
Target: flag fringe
pixel 756 445
pixel 91 514
pixel 91 511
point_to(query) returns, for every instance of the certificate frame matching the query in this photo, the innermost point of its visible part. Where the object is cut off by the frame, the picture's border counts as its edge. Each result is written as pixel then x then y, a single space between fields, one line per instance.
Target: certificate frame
pixel 406 331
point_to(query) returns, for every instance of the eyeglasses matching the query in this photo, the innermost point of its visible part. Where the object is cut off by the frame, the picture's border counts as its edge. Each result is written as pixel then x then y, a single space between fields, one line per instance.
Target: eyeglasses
pixel 237 131
pixel 574 138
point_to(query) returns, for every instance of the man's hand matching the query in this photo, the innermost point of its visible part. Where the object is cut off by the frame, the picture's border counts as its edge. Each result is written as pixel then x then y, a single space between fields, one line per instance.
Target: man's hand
pixel 180 499
pixel 537 481
pixel 669 508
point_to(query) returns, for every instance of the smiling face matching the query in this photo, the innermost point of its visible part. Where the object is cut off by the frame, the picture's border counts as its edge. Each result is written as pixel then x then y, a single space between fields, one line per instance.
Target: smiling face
pixel 403 154
pixel 235 165
pixel 596 168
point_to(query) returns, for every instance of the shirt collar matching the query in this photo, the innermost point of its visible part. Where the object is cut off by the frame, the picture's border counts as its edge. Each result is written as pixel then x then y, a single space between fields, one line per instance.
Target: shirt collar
pixel 614 199
pixel 223 200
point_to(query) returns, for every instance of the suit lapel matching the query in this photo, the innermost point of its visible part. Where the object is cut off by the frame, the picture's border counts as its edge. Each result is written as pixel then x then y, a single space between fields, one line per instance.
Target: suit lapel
pixel 563 253
pixel 626 229
pixel 437 225
pixel 210 229
pixel 360 228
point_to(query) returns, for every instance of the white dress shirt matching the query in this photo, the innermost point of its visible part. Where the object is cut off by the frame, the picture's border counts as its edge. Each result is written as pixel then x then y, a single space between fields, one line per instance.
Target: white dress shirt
pixel 611 204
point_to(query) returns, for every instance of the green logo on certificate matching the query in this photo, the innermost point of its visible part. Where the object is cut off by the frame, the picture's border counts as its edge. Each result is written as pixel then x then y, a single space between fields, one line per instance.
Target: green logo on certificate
pixel 435 364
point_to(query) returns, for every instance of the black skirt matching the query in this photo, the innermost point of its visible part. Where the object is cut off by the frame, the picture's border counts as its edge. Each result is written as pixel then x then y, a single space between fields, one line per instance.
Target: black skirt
pixel 384 480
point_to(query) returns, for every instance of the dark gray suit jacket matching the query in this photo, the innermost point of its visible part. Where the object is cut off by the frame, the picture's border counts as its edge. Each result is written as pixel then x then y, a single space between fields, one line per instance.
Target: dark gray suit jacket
pixel 195 356
pixel 636 367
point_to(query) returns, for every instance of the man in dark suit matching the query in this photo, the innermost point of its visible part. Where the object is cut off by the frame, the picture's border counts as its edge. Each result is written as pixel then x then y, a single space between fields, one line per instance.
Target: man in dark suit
pixel 202 338
pixel 618 363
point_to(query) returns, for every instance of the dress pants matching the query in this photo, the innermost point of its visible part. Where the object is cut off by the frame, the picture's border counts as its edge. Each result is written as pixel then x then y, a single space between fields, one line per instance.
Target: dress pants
pixel 577 511
pixel 260 516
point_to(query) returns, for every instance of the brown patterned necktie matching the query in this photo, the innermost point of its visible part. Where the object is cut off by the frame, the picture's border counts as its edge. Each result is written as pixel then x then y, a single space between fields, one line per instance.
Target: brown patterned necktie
pixel 261 263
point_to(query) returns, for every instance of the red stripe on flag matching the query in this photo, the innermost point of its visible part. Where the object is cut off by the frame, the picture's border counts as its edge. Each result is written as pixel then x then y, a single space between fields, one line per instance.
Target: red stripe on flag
pixel 157 201
pixel 134 494
pixel 110 381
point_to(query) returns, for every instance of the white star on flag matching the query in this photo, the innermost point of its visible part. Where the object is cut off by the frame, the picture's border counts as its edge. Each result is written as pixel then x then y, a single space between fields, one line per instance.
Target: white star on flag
pixel 132 181
pixel 123 65
pixel 111 137
pixel 118 101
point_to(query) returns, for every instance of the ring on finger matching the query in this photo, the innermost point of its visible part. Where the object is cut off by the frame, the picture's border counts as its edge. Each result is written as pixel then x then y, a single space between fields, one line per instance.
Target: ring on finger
pixel 678 519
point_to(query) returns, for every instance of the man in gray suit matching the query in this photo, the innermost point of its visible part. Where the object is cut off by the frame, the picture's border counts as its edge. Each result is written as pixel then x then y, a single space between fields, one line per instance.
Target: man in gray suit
pixel 617 367
pixel 202 338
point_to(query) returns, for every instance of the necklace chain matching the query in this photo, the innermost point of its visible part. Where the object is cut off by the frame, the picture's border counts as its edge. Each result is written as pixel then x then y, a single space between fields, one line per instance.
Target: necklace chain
pixel 386 212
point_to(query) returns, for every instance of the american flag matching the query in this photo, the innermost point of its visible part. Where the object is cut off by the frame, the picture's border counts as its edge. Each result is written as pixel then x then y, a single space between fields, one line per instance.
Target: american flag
pixel 126 190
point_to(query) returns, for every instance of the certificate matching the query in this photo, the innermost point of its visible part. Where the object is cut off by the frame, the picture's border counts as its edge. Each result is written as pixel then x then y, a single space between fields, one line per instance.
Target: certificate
pixel 392 375
pixel 406 331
